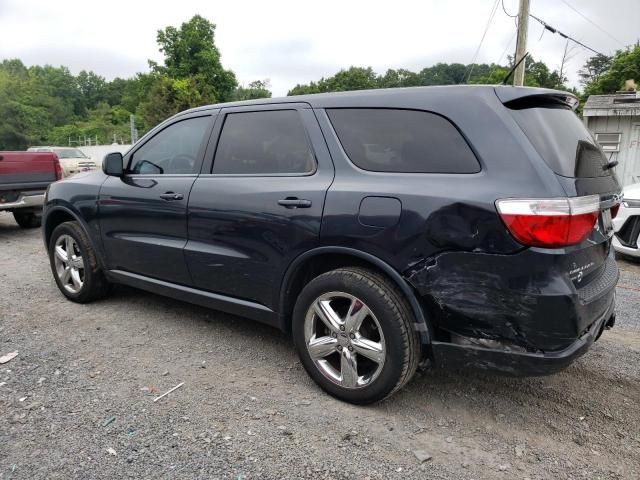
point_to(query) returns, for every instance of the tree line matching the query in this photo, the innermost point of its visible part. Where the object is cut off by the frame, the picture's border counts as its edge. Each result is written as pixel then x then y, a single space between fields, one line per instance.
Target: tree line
pixel 50 105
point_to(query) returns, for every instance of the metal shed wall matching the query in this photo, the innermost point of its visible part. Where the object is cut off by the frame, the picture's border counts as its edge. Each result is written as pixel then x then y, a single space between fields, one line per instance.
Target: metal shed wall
pixel 628 169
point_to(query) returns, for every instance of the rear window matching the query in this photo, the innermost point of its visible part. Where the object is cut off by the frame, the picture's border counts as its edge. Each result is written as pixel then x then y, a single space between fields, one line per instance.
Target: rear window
pixel 402 141
pixel 563 141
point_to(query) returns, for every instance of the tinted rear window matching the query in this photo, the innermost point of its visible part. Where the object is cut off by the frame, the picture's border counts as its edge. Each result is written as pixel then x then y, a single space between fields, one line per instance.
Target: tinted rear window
pixel 402 141
pixel 264 142
pixel 563 141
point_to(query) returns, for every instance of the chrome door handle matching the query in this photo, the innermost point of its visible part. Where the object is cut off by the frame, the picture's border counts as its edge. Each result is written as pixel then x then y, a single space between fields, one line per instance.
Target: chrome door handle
pixel 172 196
pixel 293 202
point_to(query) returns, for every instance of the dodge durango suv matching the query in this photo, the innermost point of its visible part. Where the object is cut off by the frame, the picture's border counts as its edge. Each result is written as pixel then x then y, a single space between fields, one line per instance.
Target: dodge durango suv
pixel 462 226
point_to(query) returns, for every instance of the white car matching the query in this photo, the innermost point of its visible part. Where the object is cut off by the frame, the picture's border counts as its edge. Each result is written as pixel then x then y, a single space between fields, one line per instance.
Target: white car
pixel 626 225
pixel 72 160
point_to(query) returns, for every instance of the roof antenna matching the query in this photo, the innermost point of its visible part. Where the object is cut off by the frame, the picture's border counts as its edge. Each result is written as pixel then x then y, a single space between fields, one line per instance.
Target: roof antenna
pixel 513 69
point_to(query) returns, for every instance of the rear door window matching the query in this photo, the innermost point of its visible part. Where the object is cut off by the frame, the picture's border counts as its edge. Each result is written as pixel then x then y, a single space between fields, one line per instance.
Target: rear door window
pixel 564 143
pixel 270 142
pixel 402 141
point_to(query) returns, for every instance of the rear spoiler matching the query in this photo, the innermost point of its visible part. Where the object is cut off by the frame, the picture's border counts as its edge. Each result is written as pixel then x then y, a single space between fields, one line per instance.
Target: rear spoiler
pixel 518 98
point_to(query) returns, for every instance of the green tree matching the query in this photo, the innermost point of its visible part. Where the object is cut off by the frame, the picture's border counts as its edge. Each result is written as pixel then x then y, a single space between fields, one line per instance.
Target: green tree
pixel 356 78
pixel 593 68
pixel 167 97
pixel 625 65
pixel 255 89
pixel 190 52
pixel 92 88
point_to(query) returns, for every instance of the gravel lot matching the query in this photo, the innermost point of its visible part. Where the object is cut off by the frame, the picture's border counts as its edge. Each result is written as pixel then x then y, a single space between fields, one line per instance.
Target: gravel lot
pixel 78 400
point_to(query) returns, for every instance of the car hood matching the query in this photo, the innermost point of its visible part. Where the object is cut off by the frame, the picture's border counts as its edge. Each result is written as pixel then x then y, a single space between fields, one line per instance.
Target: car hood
pixel 632 191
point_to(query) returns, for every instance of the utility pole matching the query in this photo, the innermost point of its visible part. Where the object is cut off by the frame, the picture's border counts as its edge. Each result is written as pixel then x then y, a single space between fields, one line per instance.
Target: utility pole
pixel 521 45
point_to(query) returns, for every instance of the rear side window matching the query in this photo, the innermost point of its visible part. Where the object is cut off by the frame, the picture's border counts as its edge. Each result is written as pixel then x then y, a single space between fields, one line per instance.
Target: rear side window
pixel 402 141
pixel 265 142
pixel 562 141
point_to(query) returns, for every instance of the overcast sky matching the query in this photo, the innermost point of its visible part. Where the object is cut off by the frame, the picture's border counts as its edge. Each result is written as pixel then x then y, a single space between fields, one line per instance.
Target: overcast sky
pixel 292 42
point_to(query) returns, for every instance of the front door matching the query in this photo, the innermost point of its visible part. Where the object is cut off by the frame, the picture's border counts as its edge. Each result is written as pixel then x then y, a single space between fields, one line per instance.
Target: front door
pixel 143 214
pixel 261 205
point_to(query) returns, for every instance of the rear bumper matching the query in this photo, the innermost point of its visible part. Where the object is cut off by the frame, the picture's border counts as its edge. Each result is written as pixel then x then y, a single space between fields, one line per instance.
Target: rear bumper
pixel 512 363
pixel 25 200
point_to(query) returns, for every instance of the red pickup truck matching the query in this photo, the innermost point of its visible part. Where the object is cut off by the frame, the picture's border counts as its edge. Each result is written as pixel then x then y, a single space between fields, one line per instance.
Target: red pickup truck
pixel 24 178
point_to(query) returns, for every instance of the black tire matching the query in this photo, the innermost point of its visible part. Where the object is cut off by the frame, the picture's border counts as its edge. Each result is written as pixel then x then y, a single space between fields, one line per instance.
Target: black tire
pixel 27 219
pixel 396 321
pixel 94 285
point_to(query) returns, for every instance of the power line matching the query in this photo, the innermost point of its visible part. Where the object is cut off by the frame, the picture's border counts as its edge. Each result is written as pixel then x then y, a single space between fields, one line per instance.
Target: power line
pixel 564 35
pixel 507 47
pixel 592 22
pixel 486 29
pixel 507 13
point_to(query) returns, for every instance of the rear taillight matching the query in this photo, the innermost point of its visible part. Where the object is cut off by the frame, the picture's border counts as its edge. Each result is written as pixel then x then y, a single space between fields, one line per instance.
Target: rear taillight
pixel 552 222
pixel 58 168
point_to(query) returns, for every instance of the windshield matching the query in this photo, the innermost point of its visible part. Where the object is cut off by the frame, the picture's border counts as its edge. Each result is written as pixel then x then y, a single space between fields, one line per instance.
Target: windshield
pixel 563 141
pixel 69 153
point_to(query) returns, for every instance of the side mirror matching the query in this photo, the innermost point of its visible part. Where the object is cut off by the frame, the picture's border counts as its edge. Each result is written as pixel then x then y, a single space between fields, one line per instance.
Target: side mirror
pixel 112 164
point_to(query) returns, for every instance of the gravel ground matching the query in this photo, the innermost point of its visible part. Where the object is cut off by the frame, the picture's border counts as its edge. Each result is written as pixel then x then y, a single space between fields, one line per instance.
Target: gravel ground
pixel 77 402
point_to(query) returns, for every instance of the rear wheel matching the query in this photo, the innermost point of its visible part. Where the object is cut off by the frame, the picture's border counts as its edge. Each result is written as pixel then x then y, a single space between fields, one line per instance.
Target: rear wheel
pixel 27 219
pixel 74 264
pixel 353 330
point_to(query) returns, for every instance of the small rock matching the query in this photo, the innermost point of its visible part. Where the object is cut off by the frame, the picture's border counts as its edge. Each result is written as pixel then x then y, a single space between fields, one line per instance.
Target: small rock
pixel 270 412
pixel 111 451
pixel 165 373
pixel 422 455
pixel 449 439
pixel 285 430
pixel 519 450
pixel 504 468
pixel 465 464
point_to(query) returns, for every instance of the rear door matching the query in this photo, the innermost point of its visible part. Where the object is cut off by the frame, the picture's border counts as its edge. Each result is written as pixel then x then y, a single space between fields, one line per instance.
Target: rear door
pixel 143 214
pixel 261 203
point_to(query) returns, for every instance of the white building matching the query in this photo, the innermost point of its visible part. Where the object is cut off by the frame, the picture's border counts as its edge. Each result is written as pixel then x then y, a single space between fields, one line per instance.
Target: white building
pixel 615 122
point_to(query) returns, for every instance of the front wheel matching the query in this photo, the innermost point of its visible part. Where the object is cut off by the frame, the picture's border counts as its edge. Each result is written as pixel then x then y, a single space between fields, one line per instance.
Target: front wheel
pixel 353 330
pixel 74 264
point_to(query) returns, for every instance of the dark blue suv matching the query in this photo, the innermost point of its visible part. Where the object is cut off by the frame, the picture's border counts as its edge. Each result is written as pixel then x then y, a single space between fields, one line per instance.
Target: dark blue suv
pixel 465 226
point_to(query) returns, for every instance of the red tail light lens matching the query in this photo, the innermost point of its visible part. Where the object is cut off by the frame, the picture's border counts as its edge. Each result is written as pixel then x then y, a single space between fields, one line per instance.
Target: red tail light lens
pixel 550 223
pixel 58 168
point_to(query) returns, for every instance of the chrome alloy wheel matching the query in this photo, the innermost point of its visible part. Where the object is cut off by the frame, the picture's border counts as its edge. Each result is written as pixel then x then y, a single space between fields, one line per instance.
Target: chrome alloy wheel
pixel 69 263
pixel 344 340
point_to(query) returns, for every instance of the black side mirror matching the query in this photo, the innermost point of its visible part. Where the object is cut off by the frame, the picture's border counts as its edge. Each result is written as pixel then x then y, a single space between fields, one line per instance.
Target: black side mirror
pixel 112 164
